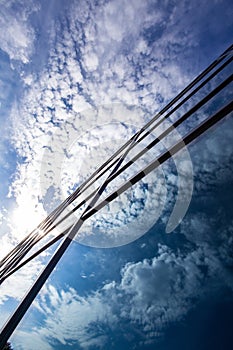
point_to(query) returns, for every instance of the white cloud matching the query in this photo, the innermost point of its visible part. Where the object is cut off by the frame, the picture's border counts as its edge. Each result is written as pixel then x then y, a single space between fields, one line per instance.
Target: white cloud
pixel 152 294
pixel 18 284
pixel 17 35
pixel 89 310
pixel 24 341
pixel 102 72
pixel 160 290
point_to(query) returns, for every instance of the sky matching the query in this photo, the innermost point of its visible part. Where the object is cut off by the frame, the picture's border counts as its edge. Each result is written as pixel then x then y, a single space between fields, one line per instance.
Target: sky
pixel 77 79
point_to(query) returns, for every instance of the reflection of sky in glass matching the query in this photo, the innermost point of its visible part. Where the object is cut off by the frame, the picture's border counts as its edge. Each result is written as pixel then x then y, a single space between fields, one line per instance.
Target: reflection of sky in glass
pixel 58 60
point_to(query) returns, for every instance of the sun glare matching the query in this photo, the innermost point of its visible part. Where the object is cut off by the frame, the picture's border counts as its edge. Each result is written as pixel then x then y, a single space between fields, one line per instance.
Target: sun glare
pixel 25 218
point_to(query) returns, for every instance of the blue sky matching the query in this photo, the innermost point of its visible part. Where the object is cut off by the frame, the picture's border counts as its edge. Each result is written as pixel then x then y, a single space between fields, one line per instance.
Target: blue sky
pixel 77 78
